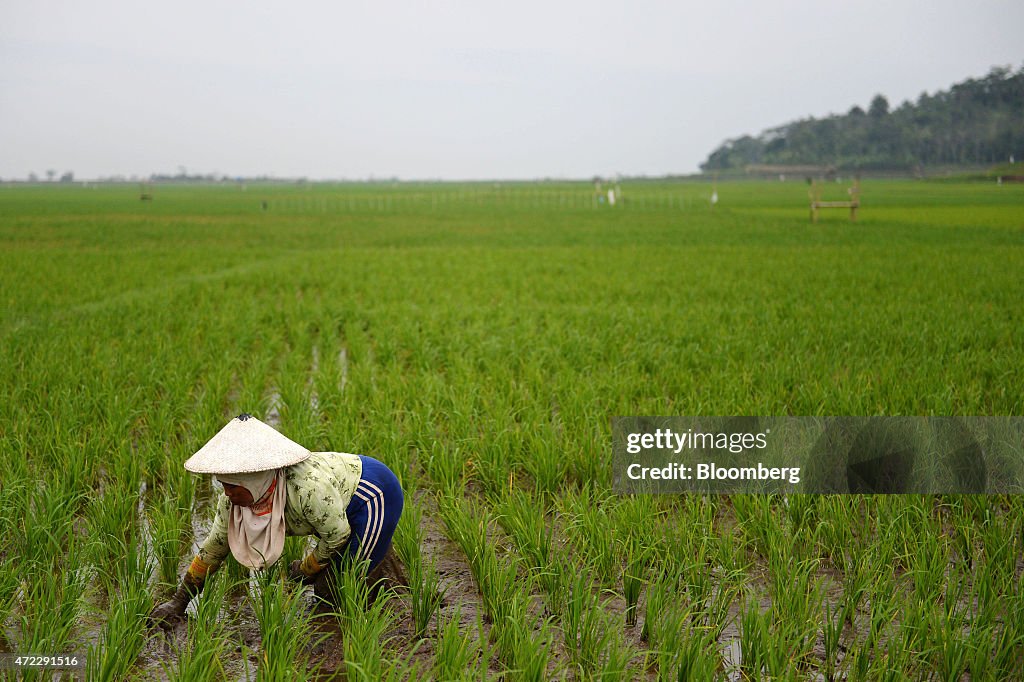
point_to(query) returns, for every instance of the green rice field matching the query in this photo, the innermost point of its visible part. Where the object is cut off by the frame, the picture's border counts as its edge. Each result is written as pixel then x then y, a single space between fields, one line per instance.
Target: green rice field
pixel 479 338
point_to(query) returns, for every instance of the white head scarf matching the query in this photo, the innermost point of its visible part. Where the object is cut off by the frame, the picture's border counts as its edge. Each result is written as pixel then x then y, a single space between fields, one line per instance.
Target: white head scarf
pixel 256 533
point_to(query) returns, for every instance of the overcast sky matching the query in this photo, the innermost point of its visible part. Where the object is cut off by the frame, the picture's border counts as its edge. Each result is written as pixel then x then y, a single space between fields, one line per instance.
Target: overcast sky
pixel 457 90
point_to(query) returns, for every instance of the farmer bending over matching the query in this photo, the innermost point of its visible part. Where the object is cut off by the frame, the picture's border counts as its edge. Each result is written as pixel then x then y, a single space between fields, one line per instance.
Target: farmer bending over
pixel 275 487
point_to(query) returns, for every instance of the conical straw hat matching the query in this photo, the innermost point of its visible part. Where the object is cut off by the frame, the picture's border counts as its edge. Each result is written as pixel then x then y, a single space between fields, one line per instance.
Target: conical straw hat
pixel 243 446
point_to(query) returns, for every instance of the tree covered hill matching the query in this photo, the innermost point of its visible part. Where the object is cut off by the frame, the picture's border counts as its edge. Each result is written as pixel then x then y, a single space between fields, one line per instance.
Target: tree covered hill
pixel 978 121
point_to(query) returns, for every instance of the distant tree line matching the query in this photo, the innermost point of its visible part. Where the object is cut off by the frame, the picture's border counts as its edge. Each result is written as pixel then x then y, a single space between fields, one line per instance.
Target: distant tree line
pixel 978 121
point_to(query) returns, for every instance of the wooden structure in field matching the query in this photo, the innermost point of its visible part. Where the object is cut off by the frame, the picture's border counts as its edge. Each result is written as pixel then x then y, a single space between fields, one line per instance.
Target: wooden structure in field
pixel 817 204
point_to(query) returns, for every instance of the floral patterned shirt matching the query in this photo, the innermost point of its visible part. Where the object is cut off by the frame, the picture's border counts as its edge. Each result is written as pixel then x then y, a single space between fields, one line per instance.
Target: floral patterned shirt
pixel 319 490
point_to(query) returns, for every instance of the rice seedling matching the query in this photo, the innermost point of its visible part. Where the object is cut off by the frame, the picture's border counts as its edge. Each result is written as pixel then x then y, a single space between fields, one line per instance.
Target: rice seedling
pixel 1005 648
pixel 892 664
pixel 860 657
pixel 729 552
pixel 981 645
pixel 180 486
pixel 590 530
pixel 545 462
pixel 165 524
pixel 51 605
pixel 584 628
pixel 754 641
pixel 285 628
pixel 503 594
pixel 204 654
pixel 592 639
pixel 796 602
pixel 949 650
pixel 523 518
pixel 930 564
pixel 523 642
pixel 677 650
pixel 526 522
pixel 13 504
pixel 295 548
pixel 364 624
pixel 454 651
pixel 46 531
pixel 658 595
pixel 697 659
pixel 467 529
pixel 239 576
pixel 834 535
pixel 445 466
pixel 633 575
pixel 831 632
pixel 883 624
pixel 113 520
pixel 856 582
pixel 124 633
pixel 425 592
pixel 715 615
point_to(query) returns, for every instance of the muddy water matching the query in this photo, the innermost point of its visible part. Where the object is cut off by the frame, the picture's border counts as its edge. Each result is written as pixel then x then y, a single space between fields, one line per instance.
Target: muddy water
pixel 146 531
pixel 161 651
pixel 273 416
pixel 314 400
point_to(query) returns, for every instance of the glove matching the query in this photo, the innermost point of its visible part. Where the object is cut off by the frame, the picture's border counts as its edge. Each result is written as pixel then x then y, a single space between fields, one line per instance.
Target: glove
pixel 305 571
pixel 174 609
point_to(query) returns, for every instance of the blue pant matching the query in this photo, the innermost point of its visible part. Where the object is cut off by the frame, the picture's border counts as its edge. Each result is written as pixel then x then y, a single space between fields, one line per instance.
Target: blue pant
pixel 373 512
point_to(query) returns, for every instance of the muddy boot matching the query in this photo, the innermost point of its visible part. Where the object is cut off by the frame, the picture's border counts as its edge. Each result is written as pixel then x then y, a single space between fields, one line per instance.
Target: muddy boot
pixel 170 612
pixel 388 574
pixel 325 590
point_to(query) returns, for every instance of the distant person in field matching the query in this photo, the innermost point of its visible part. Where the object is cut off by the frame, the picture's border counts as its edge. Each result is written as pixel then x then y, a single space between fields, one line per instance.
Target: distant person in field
pixel 274 487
